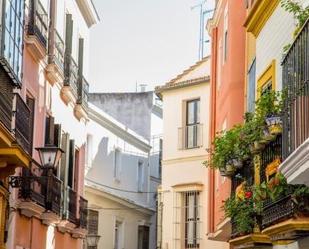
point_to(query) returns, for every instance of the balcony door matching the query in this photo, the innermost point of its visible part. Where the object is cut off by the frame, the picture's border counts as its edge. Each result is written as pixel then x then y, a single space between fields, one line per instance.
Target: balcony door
pixel 192 123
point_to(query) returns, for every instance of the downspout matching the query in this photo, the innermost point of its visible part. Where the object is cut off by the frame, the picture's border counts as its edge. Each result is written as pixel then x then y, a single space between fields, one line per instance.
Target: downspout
pixel 211 172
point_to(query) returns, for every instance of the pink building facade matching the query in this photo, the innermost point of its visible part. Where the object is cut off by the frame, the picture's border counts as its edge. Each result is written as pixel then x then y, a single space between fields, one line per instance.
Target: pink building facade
pixel 54 89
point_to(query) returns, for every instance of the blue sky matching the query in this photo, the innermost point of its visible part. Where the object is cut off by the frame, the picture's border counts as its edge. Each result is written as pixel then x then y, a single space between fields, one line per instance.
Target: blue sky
pixel 143 41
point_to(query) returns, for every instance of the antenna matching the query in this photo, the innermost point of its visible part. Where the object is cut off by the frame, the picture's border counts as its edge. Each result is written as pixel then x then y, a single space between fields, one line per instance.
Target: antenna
pixel 202 22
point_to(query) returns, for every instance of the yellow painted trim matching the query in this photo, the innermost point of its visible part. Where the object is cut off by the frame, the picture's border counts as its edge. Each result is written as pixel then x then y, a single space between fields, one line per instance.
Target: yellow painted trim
pixel 299 224
pixel 268 74
pixel 254 237
pixel 18 154
pixel 5 136
pixel 259 15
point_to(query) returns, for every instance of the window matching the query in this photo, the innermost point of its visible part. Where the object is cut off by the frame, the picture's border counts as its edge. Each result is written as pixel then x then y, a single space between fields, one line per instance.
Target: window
pixel 117 164
pixel 140 176
pixel 187 214
pixel 192 123
pixel 143 237
pixel 13 33
pixel 93 224
pixel 225 33
pixel 118 235
pixel 251 88
pixel 267 81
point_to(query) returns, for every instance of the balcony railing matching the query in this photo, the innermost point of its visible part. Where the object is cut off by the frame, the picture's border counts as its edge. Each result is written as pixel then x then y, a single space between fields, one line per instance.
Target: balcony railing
pixel 71 75
pixel 59 51
pixel 296 82
pixel 190 136
pixel 34 184
pixel 72 207
pixel 23 129
pixel 6 104
pixel 83 92
pixel 83 212
pixel 38 21
pixel 55 204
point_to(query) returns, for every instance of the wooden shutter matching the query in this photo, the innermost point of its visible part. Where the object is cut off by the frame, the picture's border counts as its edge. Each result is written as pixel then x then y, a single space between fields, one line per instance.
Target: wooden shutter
pixel 68 47
pixel 57 135
pixel 80 66
pixel 31 104
pixel 65 146
pixel 93 221
pixel 49 130
pixel 71 164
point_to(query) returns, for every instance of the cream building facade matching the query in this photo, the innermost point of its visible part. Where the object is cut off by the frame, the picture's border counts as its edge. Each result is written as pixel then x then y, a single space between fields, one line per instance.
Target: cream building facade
pixel 182 202
pixel 123 170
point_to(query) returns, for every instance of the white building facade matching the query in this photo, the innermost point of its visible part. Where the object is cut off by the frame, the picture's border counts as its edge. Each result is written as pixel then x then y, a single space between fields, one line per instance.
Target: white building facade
pixel 122 175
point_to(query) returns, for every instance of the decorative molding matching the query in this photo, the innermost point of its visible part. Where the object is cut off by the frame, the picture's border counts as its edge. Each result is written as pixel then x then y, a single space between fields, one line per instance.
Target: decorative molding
pixel 80 113
pixel 251 241
pixel 88 11
pixel 191 186
pixel 35 47
pixel 50 218
pixel 259 15
pixel 67 96
pixel 30 209
pixel 296 167
pixel 53 74
pixel 79 233
pixel 184 159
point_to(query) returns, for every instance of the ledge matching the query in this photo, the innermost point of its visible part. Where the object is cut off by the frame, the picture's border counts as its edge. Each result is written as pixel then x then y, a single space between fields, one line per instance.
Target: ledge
pixel 259 15
pixel 53 74
pixel 30 209
pixel 50 218
pixel 79 233
pixel 296 167
pixel 65 226
pixel 67 95
pixel 251 241
pixel 288 230
pixel 35 47
pixel 80 113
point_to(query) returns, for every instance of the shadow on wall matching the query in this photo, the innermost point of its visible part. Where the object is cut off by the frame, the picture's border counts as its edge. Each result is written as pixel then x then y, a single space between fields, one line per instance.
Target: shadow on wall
pixel 102 171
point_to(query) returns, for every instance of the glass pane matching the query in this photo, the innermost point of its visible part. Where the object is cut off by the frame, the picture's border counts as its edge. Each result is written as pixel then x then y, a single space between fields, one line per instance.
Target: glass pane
pixel 251 88
pixel 191 112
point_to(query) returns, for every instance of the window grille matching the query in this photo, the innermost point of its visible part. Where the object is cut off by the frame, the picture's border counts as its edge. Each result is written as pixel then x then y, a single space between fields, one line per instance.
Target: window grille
pixel 187 220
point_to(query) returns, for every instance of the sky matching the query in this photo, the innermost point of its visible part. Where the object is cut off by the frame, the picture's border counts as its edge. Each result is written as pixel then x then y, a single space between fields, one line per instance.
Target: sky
pixel 142 42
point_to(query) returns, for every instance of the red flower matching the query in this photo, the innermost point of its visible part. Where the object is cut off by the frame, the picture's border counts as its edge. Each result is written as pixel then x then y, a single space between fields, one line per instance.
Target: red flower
pixel 248 194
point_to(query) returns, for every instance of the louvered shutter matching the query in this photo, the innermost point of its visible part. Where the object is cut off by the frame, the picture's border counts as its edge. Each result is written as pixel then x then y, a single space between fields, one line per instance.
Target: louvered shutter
pixel 49 130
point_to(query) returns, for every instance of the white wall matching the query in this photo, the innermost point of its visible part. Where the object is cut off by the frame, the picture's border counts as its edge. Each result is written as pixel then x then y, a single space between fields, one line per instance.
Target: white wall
pixel 277 33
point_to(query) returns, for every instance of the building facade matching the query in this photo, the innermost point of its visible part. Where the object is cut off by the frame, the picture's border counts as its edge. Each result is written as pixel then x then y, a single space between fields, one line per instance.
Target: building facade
pixel 183 196
pixel 48 56
pixel 123 168
pixel 226 98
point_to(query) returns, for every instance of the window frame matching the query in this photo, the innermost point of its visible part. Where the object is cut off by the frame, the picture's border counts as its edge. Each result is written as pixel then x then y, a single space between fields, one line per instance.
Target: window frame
pixel 268 75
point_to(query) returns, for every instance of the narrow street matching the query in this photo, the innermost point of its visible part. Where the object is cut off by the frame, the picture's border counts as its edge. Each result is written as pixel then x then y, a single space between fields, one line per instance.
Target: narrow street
pixel 154 124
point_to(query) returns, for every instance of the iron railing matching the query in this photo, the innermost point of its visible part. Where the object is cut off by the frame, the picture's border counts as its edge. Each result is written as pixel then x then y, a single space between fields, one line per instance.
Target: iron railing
pixel 71 74
pixel 59 51
pixel 38 22
pixel 83 212
pixel 272 151
pixel 83 92
pixel 72 207
pixel 190 136
pixel 296 83
pixel 23 129
pixel 56 199
pixel 34 184
pixel 6 104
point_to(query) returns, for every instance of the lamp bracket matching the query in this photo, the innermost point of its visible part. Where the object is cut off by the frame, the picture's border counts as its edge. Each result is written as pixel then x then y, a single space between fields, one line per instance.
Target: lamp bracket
pixel 18 181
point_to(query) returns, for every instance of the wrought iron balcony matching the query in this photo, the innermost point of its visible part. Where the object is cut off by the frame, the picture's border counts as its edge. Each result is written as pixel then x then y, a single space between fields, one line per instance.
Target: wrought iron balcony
pixel 71 77
pixel 59 51
pixel 56 200
pixel 190 136
pixel 23 129
pixel 38 22
pixel 83 92
pixel 34 184
pixel 83 212
pixel 72 205
pixel 296 81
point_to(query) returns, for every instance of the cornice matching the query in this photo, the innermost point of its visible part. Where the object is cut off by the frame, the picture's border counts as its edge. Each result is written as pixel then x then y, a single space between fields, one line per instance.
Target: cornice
pixel 115 128
pixel 259 15
pixel 88 11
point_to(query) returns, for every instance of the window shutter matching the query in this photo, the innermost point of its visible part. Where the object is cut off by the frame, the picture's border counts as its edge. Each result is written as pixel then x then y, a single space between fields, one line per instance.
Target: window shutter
pixel 49 130
pixel 80 67
pixel 65 146
pixel 71 164
pixel 57 135
pixel 93 221
pixel 68 47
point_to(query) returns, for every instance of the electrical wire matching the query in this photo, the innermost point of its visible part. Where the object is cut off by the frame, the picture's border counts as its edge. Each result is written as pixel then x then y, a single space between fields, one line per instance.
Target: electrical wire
pixel 124 190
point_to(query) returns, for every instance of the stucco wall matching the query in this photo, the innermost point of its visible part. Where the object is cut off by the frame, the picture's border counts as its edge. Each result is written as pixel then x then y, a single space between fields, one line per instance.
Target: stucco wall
pixel 277 33
pixel 131 109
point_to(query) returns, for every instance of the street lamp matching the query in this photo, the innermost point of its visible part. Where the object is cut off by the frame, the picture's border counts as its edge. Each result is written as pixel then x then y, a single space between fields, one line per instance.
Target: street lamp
pixel 49 156
pixel 93 240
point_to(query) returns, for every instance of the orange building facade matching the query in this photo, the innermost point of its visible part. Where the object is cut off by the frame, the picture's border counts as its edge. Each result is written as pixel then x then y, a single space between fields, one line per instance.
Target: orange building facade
pixel 227 97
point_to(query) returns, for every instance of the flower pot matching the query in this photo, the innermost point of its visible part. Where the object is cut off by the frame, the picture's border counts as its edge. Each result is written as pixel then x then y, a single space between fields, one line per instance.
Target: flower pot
pixel 229 169
pixel 274 124
pixel 267 136
pixel 237 163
